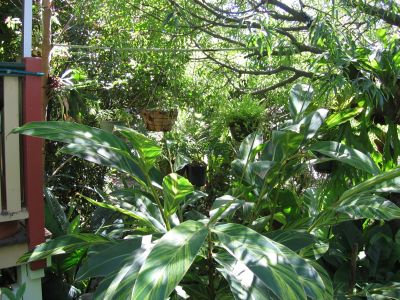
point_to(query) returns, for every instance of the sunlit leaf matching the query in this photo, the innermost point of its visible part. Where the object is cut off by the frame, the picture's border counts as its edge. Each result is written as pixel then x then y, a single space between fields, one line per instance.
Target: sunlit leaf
pixel 347 155
pixel 89 143
pixel 300 99
pixel 169 261
pixel 64 244
pixel 282 271
pixel 175 189
pixel 148 149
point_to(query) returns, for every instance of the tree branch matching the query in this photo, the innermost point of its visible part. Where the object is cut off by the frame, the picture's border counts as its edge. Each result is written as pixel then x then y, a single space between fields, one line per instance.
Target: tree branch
pixel 384 14
pixel 274 87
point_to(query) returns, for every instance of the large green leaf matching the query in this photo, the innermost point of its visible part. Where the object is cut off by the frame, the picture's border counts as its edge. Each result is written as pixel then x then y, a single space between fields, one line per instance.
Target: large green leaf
pixel 369 206
pixel 378 181
pixel 295 240
pixel 300 99
pixel 142 203
pixel 175 189
pixel 89 143
pixel 144 219
pixel 282 271
pixel 148 149
pixel 119 284
pixel 223 206
pixel 103 260
pixel 341 117
pixel 242 281
pixel 169 261
pixel 249 145
pixel 346 155
pixel 310 124
pixel 64 244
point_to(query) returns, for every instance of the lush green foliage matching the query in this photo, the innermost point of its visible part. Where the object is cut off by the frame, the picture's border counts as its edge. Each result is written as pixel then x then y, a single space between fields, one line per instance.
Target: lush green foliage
pixel 238 239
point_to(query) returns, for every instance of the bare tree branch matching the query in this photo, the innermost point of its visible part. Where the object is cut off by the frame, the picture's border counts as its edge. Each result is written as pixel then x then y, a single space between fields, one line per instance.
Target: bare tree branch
pixel 274 87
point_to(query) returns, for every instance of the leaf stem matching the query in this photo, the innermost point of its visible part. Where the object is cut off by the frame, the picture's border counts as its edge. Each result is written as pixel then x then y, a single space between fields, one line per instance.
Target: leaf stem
pixel 210 269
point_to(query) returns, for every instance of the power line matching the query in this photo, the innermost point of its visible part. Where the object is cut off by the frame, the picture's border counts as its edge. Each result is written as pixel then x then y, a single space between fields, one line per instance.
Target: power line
pixel 152 49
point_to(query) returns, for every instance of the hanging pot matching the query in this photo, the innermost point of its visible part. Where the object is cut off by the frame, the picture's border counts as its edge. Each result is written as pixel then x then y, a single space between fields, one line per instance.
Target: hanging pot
pixel 325 167
pixel 159 120
pixel 109 125
pixel 8 229
pixel 197 174
pixel 240 129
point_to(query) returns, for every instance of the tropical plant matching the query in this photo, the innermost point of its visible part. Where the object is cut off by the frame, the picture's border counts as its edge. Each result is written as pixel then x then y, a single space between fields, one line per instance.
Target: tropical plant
pixel 116 114
pixel 242 116
pixel 170 249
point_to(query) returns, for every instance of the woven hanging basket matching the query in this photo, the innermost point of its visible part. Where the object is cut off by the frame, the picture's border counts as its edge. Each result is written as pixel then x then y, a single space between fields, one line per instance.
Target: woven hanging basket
pixel 159 120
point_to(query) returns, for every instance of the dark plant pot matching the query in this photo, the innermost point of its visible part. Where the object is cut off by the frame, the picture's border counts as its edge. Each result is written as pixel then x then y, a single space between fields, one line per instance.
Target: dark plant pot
pixel 159 120
pixel 326 167
pixel 8 229
pixel 240 129
pixel 109 125
pixel 197 174
pixel 389 113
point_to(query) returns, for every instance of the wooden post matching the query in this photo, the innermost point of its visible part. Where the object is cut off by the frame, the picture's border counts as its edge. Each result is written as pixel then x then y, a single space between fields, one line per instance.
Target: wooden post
pixel 33 158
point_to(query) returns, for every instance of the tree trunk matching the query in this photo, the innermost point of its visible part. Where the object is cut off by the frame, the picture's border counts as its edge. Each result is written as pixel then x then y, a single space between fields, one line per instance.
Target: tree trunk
pixel 46 50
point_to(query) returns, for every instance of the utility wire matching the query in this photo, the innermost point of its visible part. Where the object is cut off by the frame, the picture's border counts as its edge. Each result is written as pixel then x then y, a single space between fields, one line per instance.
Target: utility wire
pixel 152 49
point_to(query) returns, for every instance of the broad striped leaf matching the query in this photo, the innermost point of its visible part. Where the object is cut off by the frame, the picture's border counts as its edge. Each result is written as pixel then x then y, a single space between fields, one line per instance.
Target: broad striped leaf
pixel 369 206
pixel 370 184
pixel 347 155
pixel 119 284
pixel 103 260
pixel 148 149
pixel 325 278
pixel 343 116
pixel 175 189
pixel 223 206
pixel 169 261
pixel 300 99
pixel 143 202
pixel 282 271
pixel 295 240
pixel 64 244
pixel 89 143
pixel 242 281
pixel 144 219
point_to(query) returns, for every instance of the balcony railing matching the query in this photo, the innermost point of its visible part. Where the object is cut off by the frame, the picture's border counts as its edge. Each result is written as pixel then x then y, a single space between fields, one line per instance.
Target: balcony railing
pixel 11 205
pixel 21 167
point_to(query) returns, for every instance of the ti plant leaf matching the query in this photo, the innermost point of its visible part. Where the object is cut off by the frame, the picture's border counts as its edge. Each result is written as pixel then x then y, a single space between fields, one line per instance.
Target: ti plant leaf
pixel 89 143
pixel 175 189
pixel 280 270
pixel 64 244
pixel 223 206
pixel 300 99
pixel 369 206
pixel 346 155
pixel 169 261
pixel 143 218
pixel 119 264
pixel 148 149
pixel 242 281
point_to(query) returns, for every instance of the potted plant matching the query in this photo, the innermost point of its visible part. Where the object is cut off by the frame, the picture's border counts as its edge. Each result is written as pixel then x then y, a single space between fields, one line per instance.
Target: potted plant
pixel 158 107
pixel 192 135
pixel 108 118
pixel 242 116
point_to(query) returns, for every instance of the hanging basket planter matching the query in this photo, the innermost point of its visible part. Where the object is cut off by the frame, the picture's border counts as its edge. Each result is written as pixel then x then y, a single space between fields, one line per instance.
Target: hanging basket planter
pixel 239 130
pixel 197 174
pixel 326 167
pixel 159 120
